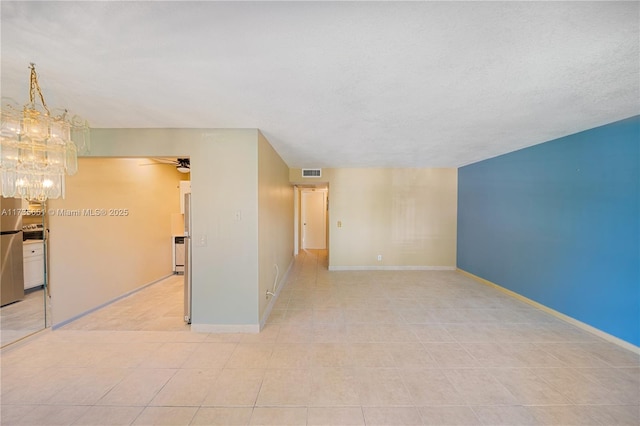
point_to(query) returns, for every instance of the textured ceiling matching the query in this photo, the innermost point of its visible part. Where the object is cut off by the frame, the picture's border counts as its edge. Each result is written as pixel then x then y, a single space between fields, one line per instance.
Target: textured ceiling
pixel 340 84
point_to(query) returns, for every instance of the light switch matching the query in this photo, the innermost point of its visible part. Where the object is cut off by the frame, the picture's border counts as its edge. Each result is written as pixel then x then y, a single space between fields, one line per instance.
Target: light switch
pixel 201 240
pixel 339 224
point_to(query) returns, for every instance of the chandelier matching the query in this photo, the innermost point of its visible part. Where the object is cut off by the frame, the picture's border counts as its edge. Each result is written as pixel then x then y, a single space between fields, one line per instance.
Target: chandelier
pixel 38 147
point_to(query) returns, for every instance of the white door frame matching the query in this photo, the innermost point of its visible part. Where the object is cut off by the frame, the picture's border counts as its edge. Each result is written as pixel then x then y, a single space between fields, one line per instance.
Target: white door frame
pixel 296 220
pixel 297 214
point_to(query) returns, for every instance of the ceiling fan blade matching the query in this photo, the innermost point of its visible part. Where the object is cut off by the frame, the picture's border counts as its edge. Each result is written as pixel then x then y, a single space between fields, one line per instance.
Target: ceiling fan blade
pixel 165 161
pixel 183 164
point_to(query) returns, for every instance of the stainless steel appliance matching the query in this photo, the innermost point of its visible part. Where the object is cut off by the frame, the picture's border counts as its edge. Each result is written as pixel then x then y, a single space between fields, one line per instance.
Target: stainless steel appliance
pixel 178 255
pixel 11 266
pixel 187 258
pixel 34 231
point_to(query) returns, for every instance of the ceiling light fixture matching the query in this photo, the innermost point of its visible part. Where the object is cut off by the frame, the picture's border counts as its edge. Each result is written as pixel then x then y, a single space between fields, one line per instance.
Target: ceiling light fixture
pixel 184 165
pixel 38 147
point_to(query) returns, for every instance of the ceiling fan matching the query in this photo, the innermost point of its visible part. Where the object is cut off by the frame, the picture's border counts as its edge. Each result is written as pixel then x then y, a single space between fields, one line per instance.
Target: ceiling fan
pixel 183 165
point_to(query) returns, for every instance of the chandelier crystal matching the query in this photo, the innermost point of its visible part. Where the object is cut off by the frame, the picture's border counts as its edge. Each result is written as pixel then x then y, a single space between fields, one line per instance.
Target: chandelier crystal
pixel 38 146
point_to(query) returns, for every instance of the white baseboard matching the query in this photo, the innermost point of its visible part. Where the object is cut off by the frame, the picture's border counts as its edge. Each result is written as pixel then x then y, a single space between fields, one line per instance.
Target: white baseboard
pixel 392 268
pixel 586 327
pixel 225 328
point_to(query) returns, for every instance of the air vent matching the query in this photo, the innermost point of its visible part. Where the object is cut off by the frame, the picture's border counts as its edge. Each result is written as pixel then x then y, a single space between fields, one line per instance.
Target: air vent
pixel 312 173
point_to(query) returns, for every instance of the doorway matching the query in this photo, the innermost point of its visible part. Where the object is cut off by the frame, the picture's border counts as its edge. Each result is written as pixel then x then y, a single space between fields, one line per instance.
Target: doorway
pixel 313 218
pixel 128 246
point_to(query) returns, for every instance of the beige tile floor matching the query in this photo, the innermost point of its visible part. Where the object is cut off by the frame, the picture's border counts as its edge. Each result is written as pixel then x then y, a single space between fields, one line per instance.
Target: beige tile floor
pixel 341 348
pixel 25 317
pixel 159 307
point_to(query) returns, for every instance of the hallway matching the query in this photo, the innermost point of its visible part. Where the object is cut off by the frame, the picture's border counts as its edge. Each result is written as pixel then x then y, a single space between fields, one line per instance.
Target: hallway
pixel 340 348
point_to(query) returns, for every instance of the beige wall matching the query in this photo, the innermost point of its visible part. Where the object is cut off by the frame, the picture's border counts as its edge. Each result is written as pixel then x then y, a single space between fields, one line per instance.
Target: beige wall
pixel 224 202
pixel 94 259
pixel 406 215
pixel 241 226
pixel 275 221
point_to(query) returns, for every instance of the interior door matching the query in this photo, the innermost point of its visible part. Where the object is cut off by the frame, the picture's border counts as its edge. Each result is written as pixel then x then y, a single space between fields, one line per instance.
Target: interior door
pixel 314 219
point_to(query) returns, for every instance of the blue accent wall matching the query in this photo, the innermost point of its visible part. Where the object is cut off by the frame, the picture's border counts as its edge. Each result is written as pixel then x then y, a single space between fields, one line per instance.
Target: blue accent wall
pixel 559 223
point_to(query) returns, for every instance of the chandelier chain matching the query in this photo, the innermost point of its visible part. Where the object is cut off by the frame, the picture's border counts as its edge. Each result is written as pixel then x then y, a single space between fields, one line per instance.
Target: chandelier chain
pixel 36 87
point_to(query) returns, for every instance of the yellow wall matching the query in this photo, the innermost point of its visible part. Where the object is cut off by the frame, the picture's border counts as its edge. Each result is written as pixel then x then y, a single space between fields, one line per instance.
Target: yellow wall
pixel 94 259
pixel 406 215
pixel 275 221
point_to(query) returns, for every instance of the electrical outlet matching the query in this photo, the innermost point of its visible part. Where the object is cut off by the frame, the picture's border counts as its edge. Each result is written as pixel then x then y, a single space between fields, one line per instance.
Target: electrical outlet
pixel 200 240
pixel 379 257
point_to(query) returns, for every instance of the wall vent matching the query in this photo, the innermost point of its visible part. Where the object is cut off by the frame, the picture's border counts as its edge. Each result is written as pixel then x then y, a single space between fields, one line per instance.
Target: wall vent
pixel 312 173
